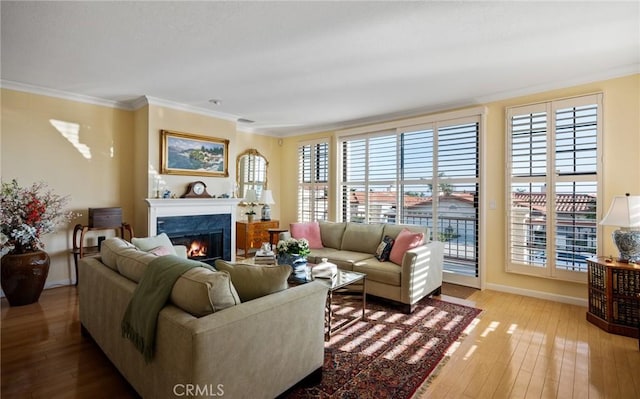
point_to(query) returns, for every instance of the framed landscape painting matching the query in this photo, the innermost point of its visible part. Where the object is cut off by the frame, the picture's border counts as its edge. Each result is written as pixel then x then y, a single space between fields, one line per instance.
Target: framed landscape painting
pixel 190 154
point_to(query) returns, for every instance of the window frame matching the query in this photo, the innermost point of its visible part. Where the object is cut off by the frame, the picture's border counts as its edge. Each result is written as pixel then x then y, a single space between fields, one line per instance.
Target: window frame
pixel 549 269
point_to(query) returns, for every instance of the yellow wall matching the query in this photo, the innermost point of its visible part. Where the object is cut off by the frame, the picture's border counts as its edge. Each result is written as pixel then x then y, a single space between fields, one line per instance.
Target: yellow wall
pixel 34 150
pixel 621 170
pixel 621 144
pixel 125 147
pixel 163 118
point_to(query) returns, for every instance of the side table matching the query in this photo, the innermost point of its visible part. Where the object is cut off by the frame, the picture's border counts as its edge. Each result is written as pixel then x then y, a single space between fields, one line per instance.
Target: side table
pixel 80 250
pixel 251 235
pixel 614 296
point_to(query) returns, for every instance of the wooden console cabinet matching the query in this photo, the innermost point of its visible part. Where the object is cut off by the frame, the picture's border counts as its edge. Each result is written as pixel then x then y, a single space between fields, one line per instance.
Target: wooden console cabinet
pixel 251 235
pixel 614 296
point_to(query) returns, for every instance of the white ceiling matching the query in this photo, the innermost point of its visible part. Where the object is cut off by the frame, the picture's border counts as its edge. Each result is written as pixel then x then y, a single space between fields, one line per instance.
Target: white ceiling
pixel 295 67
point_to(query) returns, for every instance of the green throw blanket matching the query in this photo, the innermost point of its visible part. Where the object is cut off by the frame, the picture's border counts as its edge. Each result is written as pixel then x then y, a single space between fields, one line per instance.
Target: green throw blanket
pixel 150 296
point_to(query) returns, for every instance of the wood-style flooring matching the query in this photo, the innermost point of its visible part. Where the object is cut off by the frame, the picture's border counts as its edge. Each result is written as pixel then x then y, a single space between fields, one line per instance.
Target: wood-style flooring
pixel 519 347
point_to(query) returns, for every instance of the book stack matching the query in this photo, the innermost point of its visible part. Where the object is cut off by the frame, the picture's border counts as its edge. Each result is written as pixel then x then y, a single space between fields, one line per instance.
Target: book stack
pixel 265 258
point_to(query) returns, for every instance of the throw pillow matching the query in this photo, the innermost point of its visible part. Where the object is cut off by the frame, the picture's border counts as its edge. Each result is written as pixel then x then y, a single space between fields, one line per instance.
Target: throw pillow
pixel 161 251
pixel 253 282
pixel 201 291
pixel 405 241
pixel 310 231
pixel 384 249
pixel 148 243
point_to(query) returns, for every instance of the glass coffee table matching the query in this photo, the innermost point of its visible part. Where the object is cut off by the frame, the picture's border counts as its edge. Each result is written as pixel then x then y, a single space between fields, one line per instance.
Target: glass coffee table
pixel 343 281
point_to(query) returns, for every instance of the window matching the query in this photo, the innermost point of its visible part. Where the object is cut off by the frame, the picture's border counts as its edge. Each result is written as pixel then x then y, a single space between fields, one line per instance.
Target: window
pixel 313 180
pixel 552 181
pixel 369 180
pixel 425 174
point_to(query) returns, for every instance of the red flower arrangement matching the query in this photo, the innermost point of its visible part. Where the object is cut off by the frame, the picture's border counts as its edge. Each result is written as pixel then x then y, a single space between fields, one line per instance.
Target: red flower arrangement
pixel 28 213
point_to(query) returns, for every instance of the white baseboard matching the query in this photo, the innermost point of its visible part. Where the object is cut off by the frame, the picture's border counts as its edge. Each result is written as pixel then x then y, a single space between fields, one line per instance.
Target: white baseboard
pixel 539 294
pixel 49 284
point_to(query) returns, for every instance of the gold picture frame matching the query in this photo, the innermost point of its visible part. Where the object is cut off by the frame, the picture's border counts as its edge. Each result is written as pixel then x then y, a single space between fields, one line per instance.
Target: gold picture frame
pixel 193 155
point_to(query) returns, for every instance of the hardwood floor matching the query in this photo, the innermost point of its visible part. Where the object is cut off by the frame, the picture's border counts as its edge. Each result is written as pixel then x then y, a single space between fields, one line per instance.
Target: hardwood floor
pixel 523 347
pixel 44 356
pixel 519 347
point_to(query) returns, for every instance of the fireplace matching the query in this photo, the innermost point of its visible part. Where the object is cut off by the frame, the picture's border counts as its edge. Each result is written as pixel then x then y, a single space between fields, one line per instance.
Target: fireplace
pixel 207 237
pixel 205 226
pixel 203 247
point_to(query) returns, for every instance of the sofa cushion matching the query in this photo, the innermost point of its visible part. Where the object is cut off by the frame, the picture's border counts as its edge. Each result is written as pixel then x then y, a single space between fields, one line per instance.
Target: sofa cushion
pixel 346 259
pixel 384 249
pixel 382 272
pixel 201 291
pixel 316 255
pixel 359 237
pixel 405 241
pixel 310 231
pixel 133 262
pixel 149 243
pixel 110 248
pixel 253 282
pixel 331 234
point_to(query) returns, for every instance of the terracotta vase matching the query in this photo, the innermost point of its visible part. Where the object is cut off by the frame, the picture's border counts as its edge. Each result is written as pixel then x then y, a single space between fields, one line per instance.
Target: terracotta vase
pixel 23 276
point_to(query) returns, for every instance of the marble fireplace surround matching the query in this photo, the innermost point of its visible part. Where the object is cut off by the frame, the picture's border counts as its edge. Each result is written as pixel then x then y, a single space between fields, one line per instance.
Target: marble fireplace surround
pixel 160 208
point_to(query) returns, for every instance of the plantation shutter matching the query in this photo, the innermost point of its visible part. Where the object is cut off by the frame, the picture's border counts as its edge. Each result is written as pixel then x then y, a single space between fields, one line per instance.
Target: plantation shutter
pixel 313 180
pixel 553 183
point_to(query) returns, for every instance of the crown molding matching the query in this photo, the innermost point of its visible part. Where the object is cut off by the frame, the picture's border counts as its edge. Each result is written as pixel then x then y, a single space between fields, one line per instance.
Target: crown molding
pixel 65 95
pixel 541 88
pixel 159 102
pixel 280 131
pixel 130 105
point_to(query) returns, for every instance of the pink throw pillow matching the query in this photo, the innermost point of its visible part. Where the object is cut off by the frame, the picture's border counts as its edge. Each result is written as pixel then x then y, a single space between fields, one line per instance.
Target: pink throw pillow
pixel 405 241
pixel 308 230
pixel 161 251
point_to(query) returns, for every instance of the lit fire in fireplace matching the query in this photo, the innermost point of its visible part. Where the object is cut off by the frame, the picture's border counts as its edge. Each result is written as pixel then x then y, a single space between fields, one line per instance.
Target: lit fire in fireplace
pixel 197 249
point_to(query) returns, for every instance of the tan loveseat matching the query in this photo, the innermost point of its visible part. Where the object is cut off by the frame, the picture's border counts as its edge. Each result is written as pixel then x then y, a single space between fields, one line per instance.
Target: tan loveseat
pixel 255 349
pixel 352 246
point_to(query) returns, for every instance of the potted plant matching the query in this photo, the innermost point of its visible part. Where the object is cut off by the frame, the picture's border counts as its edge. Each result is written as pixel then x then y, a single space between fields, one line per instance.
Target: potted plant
pixel 250 215
pixel 26 214
pixel 294 252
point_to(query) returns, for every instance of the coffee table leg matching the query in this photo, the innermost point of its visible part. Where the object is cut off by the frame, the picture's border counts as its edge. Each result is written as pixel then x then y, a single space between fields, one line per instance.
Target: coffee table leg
pixel 364 296
pixel 328 315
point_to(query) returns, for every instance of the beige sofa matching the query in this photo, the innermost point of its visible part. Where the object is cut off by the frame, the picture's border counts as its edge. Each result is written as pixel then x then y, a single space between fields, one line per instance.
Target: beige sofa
pixel 352 246
pixel 255 349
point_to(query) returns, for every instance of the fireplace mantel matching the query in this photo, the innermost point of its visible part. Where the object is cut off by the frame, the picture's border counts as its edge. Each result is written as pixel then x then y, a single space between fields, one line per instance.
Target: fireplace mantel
pixel 192 206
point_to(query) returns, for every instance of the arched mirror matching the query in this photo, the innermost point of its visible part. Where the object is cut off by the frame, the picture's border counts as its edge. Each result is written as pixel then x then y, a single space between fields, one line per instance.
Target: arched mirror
pixel 251 172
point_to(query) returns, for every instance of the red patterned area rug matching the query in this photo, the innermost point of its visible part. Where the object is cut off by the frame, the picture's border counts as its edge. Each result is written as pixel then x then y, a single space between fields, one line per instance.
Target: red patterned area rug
pixel 390 354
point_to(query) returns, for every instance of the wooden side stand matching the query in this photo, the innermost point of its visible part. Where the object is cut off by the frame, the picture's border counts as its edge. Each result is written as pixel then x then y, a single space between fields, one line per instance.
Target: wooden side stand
pixel 614 296
pixel 80 250
pixel 251 235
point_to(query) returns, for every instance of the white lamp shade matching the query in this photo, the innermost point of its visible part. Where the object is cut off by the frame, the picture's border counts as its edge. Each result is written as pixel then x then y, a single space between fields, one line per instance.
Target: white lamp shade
pixel 624 212
pixel 267 197
pixel 250 196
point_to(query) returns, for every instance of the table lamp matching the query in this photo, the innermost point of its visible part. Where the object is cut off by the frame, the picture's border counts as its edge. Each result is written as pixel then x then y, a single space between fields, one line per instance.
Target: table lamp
pixel 625 213
pixel 266 199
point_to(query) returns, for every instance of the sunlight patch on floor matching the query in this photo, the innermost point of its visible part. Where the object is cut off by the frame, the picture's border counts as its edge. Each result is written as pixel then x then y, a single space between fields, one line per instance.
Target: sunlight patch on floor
pixel 490 328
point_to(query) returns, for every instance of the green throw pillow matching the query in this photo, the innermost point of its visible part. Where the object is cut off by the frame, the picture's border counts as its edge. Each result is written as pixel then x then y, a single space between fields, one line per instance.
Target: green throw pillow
pixel 252 282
